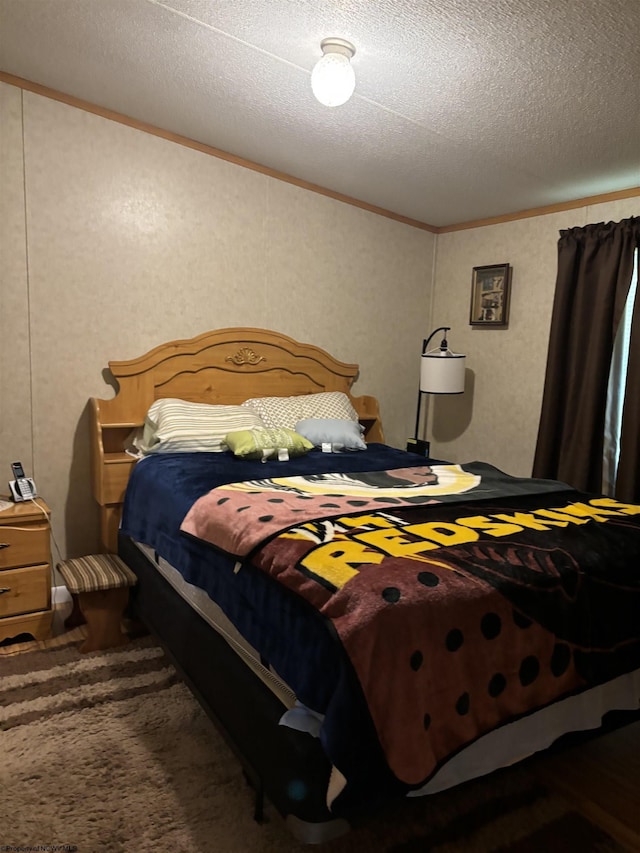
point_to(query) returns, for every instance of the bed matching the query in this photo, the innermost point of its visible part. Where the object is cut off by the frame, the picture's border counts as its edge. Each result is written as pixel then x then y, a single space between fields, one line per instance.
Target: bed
pixel 362 624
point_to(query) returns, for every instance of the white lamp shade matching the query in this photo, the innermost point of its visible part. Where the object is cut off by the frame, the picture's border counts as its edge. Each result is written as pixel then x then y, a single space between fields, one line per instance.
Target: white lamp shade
pixel 442 373
pixel 333 79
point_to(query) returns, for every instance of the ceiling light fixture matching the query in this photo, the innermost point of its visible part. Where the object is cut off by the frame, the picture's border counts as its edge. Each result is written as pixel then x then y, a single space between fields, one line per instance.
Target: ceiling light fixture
pixel 333 79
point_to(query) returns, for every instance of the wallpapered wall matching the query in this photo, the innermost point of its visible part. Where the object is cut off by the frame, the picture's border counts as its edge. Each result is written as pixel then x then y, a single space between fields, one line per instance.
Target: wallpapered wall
pixel 114 241
pixel 496 420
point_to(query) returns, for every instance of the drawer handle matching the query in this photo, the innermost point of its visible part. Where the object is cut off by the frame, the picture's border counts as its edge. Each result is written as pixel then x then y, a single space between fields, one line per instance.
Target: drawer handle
pixel 4 589
pixel 4 545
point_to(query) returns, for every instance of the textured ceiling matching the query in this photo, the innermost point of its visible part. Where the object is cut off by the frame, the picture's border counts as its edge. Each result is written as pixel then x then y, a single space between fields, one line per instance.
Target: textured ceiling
pixel 464 109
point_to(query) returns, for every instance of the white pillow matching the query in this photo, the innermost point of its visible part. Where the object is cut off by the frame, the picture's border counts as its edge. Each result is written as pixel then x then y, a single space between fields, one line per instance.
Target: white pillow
pixel 287 411
pixel 177 426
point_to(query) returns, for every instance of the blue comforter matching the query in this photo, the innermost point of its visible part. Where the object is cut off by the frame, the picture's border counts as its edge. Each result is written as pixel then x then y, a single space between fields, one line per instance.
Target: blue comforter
pixel 295 640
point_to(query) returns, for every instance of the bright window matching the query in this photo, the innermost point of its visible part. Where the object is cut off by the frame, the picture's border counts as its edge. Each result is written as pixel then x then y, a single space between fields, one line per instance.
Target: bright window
pixel 616 389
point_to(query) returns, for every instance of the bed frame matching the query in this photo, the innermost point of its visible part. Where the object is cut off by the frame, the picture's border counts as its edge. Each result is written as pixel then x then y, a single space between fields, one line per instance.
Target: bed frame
pixel 286 767
pixel 224 366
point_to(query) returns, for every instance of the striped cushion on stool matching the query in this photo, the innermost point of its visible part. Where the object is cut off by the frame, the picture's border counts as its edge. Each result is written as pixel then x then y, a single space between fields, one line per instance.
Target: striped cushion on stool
pixel 95 572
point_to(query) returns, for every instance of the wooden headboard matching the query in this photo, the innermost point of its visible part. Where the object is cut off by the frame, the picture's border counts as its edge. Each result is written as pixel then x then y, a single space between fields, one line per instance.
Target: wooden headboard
pixel 223 366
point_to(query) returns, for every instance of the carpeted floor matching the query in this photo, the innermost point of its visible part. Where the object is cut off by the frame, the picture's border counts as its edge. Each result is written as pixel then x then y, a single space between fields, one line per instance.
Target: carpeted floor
pixel 110 752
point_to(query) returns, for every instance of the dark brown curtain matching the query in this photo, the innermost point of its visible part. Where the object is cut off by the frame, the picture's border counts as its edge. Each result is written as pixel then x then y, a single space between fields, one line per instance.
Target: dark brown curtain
pixel 595 266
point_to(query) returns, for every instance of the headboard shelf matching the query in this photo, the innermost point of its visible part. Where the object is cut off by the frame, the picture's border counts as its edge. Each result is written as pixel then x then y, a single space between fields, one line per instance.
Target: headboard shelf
pixel 128 426
pixel 225 366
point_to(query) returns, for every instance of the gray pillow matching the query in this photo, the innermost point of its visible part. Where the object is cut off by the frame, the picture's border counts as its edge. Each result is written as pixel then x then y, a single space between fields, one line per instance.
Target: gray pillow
pixel 338 433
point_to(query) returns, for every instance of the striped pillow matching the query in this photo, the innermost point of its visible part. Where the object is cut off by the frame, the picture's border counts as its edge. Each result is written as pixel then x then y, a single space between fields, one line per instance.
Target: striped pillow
pixel 177 426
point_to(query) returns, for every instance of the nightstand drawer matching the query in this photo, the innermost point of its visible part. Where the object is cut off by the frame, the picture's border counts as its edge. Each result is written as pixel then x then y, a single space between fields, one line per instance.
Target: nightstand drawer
pixel 24 545
pixel 24 590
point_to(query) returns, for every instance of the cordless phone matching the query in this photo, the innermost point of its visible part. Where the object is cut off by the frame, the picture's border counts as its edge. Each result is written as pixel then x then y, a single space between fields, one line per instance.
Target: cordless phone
pixel 22 487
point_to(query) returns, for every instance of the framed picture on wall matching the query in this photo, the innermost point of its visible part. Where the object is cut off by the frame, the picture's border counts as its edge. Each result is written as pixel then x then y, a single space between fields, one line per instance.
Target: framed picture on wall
pixel 490 290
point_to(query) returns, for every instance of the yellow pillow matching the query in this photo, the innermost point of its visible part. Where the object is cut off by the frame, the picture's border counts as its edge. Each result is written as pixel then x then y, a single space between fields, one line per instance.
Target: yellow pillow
pixel 266 443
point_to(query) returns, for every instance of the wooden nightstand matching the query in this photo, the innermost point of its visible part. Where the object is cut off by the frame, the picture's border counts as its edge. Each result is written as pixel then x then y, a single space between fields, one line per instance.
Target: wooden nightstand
pixel 25 571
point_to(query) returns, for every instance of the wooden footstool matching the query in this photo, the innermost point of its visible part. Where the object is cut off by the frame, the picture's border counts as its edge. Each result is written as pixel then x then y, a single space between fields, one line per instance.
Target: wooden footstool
pixel 99 585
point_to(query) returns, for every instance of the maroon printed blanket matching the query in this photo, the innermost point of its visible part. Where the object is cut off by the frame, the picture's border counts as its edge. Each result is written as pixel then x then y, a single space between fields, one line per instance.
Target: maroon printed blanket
pixel 463 598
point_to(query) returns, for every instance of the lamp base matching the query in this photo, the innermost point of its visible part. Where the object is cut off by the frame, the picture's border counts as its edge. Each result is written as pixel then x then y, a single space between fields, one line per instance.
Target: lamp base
pixel 417 445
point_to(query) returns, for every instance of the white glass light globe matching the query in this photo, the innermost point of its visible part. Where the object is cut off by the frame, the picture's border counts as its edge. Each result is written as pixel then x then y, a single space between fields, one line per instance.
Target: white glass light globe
pixel 333 79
